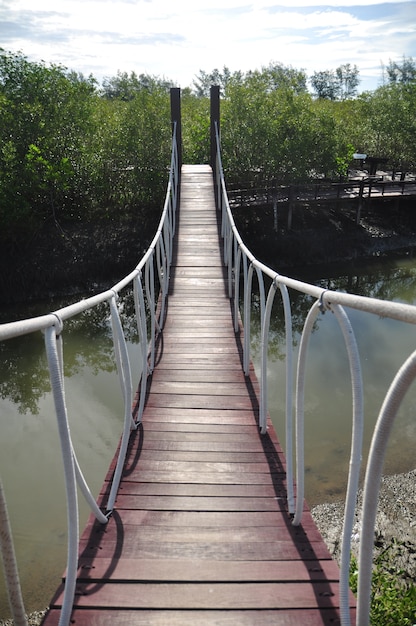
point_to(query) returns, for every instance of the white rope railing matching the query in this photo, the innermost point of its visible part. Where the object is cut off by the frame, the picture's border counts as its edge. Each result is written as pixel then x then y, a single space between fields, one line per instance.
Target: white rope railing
pixel 241 262
pixel 155 267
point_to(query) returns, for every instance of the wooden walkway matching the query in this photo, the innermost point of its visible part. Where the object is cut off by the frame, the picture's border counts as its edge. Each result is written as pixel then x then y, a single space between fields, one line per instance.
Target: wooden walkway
pixel 201 534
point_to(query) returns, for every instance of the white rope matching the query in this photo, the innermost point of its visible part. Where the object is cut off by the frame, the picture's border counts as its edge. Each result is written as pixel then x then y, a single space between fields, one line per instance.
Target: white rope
pixel 300 410
pixel 237 290
pixel 99 515
pixel 264 345
pixel 388 412
pixel 248 277
pixel 11 573
pixel 123 365
pixel 289 396
pixel 229 261
pixel 142 331
pixel 355 456
pixel 150 295
pixel 69 473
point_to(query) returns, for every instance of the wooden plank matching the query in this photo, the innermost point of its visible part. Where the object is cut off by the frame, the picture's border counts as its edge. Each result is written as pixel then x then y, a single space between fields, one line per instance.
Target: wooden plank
pixel 220 519
pixel 203 535
pixel 136 570
pixel 198 415
pixel 132 486
pixel 290 617
pixel 197 376
pixel 224 596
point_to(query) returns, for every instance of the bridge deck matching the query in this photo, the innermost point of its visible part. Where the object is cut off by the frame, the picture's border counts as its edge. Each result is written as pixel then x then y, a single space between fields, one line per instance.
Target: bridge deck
pixel 201 534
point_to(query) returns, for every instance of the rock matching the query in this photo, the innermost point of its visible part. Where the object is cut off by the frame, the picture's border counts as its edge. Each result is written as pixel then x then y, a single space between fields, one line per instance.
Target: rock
pixel 396 520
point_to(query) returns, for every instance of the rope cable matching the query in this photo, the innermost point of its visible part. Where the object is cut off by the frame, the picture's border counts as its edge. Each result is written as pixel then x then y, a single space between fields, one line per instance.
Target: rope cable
pixel 69 473
pixel 80 478
pixel 300 410
pixel 11 573
pixel 142 331
pixel 388 413
pixel 355 455
pixel 125 379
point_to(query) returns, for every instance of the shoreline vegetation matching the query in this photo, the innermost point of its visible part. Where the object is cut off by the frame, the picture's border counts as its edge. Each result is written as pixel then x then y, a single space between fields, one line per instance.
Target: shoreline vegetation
pixel 395 529
pixel 87 258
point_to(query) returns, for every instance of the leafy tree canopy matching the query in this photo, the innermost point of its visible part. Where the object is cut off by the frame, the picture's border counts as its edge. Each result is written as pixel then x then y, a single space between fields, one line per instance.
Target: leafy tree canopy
pixel 126 86
pixel 338 84
pixel 403 73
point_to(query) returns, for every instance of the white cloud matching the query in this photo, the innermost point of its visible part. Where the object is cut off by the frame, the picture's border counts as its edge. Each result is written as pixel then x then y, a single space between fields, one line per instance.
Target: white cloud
pixel 177 39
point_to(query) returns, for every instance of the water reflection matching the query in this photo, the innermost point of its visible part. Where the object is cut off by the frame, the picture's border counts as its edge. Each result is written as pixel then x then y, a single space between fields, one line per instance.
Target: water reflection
pixel 30 459
pixel 383 345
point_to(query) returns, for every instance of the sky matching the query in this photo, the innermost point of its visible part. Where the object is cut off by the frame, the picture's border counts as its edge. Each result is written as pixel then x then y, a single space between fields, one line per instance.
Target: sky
pixel 176 39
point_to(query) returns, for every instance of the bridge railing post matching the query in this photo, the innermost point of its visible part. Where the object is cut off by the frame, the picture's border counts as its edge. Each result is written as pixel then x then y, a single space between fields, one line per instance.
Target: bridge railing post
pixel 215 123
pixel 175 114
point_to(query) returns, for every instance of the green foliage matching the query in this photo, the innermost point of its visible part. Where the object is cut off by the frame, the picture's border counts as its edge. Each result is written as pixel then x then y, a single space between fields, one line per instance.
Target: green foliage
pixel 126 86
pixel 338 84
pixel 195 128
pixel 387 122
pixel 204 80
pixel 403 73
pixel 44 121
pixel 393 594
pixel 70 151
pixel 344 160
pixel 275 135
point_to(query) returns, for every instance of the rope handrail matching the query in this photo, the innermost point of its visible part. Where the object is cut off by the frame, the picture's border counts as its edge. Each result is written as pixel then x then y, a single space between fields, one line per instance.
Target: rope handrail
pixel 239 259
pixel 52 325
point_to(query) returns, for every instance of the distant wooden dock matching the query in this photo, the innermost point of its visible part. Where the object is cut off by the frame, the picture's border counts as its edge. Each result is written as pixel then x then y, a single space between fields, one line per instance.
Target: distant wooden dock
pixel 200 534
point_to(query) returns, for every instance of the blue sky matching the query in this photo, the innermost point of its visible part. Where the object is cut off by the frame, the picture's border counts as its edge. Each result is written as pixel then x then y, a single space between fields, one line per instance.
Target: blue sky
pixel 175 39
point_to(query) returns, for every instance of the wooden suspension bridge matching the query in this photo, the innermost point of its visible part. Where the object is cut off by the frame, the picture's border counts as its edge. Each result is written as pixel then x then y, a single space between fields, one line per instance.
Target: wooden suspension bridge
pixel 200 533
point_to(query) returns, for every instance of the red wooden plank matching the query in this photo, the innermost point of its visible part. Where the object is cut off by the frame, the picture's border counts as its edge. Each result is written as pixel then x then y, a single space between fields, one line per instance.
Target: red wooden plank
pixel 135 570
pixel 200 401
pixel 201 534
pixel 291 617
pixel 194 503
pixel 209 596
pixel 200 388
pixel 201 416
pixel 191 426
pixel 268 490
pixel 203 478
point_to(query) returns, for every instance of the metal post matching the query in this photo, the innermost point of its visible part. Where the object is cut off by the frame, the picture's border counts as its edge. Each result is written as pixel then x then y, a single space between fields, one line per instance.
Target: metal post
pixel 175 112
pixel 215 118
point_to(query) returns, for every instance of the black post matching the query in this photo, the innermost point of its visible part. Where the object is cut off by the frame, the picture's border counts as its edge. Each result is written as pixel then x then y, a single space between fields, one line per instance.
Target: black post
pixel 175 114
pixel 215 118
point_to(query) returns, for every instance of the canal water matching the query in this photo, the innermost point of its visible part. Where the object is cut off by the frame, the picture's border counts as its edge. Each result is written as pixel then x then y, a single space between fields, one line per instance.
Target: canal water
pixel 30 462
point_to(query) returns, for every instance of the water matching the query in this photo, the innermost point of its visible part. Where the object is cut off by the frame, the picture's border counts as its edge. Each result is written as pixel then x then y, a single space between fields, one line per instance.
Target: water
pixel 30 459
pixel 383 346
pixel 30 463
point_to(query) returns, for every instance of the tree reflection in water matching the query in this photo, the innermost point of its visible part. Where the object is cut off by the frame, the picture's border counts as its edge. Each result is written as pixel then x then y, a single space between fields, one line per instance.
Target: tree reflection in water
pixel 24 376
pixel 383 346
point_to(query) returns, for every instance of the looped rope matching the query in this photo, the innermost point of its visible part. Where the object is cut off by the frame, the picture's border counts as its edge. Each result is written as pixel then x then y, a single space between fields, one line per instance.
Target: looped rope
pixel 275 282
pixel 322 305
pixel 60 326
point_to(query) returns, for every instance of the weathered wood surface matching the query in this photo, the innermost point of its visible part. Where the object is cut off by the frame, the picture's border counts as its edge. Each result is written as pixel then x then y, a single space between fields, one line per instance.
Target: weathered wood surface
pixel 201 534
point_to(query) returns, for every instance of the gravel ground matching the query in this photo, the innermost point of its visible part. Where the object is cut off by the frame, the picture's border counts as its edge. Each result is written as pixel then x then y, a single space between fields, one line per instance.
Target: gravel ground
pixel 34 619
pixel 396 518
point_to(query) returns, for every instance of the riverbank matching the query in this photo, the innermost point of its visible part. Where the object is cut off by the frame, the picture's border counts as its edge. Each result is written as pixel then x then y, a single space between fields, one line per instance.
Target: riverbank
pixel 324 233
pixel 89 257
pixel 396 521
